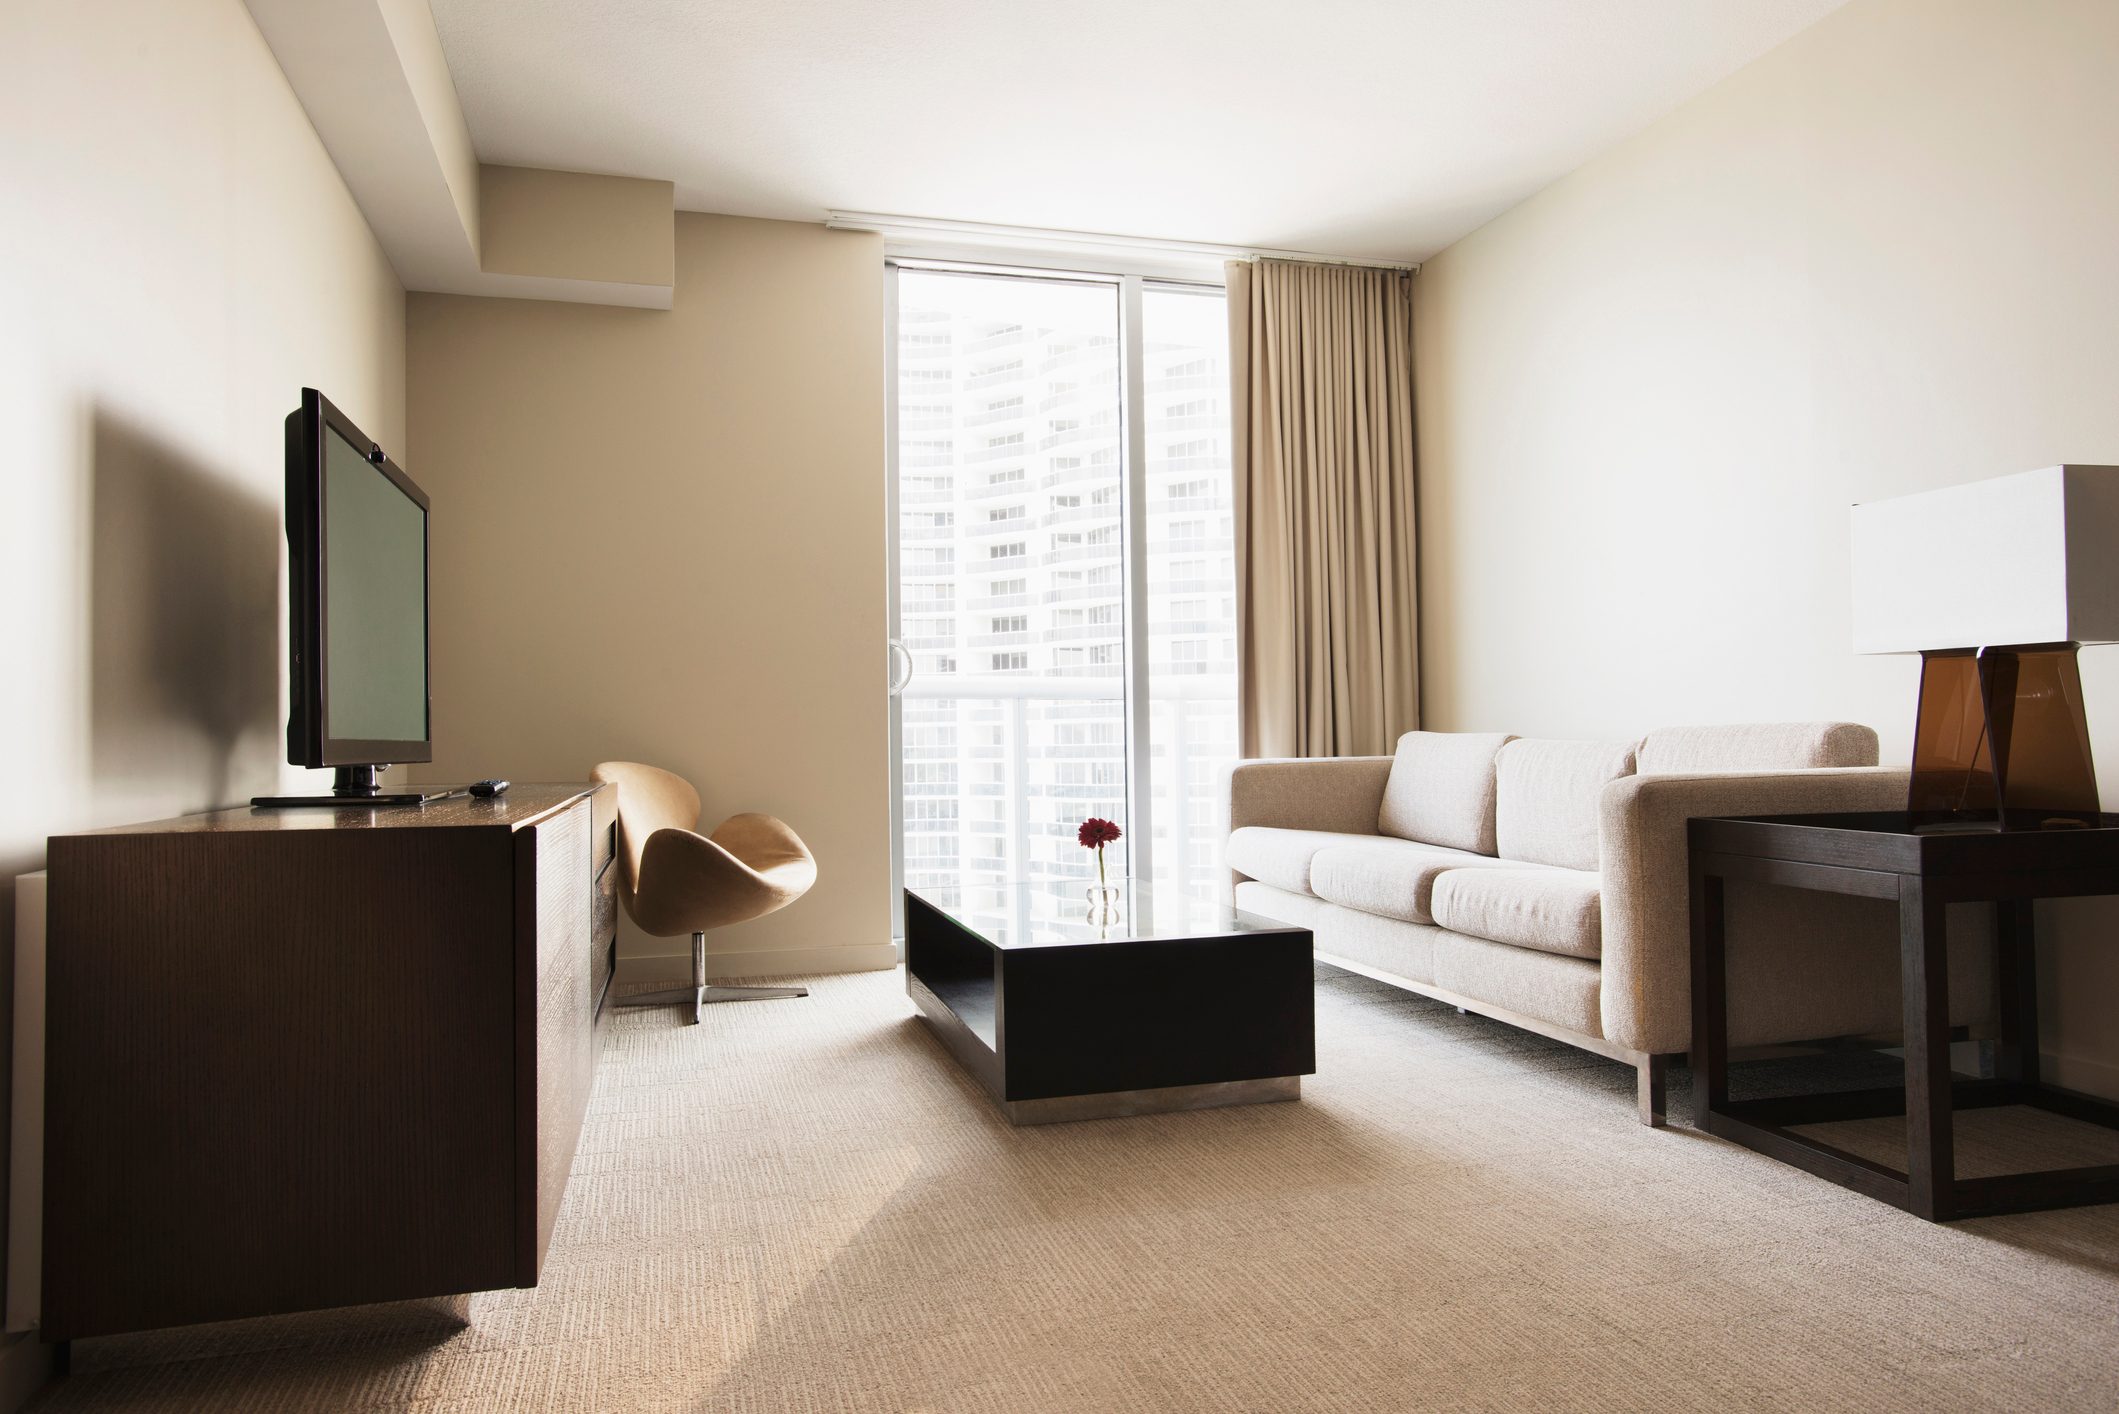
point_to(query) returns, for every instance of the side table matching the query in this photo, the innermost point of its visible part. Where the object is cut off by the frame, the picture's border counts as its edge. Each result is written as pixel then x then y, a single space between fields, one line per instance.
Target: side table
pixel 1878 856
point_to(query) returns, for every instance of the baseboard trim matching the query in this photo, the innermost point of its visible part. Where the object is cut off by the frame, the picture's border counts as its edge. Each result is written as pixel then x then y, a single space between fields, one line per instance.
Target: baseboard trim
pixel 768 962
pixel 2091 1077
pixel 25 1368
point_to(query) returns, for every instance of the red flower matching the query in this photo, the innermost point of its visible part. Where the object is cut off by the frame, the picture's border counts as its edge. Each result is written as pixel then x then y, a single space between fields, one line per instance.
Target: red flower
pixel 1095 833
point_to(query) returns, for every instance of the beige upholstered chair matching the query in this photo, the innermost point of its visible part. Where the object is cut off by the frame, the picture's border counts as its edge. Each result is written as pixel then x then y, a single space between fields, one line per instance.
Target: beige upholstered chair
pixel 677 880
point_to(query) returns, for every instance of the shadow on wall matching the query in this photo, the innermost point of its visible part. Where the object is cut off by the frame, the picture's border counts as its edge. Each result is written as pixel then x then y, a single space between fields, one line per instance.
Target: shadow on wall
pixel 184 657
pixel 184 622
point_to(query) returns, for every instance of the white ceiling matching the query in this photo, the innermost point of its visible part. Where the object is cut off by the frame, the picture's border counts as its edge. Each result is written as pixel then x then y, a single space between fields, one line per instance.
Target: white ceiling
pixel 1347 127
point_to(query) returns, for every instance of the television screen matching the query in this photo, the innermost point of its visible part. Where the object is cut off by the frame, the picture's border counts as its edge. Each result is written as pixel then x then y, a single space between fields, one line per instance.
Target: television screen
pixel 357 599
pixel 375 600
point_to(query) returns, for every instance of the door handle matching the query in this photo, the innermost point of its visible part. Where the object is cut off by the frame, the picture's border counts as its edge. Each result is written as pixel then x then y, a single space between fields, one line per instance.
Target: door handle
pixel 900 667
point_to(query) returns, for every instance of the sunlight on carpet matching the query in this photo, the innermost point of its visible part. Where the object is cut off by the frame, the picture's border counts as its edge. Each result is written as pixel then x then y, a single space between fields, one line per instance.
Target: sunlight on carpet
pixel 805 1205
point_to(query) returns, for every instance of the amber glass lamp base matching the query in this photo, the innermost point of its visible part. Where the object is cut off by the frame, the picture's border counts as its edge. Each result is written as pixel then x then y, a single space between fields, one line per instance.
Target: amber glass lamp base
pixel 2002 741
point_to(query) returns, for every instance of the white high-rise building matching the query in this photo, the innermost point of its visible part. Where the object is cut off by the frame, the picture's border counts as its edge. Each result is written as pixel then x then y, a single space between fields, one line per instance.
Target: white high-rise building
pixel 1013 575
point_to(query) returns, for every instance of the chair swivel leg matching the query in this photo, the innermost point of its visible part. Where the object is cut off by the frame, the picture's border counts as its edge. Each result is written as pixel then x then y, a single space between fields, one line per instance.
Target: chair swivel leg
pixel 709 993
pixel 698 994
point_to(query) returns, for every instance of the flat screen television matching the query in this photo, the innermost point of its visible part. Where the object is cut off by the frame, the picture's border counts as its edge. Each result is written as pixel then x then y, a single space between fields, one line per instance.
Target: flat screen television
pixel 356 609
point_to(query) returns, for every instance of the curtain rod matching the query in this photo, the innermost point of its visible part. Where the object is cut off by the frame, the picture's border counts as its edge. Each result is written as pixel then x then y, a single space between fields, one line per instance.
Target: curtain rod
pixel 1040 238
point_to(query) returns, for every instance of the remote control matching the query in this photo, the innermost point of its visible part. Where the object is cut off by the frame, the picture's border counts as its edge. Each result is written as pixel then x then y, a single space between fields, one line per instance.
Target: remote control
pixel 486 790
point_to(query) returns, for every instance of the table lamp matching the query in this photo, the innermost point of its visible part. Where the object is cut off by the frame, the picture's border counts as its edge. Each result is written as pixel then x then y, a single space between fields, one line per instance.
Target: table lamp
pixel 1996 584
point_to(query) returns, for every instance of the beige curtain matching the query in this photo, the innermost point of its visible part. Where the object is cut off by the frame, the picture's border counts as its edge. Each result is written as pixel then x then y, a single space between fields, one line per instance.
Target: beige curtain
pixel 1321 362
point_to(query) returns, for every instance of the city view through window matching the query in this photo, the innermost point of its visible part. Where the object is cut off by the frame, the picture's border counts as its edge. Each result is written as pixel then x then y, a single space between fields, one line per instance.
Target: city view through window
pixel 1014 577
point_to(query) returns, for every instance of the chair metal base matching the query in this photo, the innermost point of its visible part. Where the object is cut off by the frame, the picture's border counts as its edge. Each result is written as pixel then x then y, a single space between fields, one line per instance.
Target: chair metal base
pixel 696 997
pixel 699 994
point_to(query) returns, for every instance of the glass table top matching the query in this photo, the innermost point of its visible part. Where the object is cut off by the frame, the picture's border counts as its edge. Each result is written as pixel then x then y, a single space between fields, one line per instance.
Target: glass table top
pixel 1057 913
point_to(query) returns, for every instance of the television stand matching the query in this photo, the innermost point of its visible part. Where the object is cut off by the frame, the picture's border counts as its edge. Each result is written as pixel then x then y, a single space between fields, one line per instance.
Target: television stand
pixel 353 785
pixel 315 1060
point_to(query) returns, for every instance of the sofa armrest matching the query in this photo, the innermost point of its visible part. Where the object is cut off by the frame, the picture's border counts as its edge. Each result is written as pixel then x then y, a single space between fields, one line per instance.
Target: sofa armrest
pixel 1647 981
pixel 1343 793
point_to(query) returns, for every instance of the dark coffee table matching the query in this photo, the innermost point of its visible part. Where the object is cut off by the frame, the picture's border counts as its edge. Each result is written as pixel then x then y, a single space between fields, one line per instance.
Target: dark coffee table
pixel 1173 1004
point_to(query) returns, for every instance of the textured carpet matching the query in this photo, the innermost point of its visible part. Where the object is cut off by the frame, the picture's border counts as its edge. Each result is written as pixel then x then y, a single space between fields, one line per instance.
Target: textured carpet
pixel 804 1205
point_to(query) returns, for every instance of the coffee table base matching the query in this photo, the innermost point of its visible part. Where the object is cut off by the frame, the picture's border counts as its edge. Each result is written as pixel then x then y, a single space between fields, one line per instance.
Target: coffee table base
pixel 1116 1104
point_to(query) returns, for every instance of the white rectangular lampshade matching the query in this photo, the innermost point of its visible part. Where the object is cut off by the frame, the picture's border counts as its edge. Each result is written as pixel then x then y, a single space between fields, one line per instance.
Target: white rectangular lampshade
pixel 2032 558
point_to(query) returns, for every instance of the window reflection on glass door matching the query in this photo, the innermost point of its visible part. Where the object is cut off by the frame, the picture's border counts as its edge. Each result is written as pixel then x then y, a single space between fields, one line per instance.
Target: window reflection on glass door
pixel 1016 574
pixel 1011 573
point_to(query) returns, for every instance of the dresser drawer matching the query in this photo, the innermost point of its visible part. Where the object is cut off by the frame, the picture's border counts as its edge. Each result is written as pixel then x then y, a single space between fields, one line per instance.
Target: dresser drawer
pixel 603 916
pixel 603 828
pixel 603 934
pixel 603 964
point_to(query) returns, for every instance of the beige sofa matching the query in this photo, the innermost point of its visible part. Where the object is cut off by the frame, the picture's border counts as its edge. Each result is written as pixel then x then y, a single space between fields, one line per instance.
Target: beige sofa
pixel 1544 883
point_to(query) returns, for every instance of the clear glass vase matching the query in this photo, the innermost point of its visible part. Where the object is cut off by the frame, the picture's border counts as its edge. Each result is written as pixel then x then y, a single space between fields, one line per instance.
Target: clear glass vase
pixel 1103 902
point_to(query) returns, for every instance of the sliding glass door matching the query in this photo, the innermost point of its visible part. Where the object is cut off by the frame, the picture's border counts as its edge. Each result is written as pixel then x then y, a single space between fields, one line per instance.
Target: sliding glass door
pixel 1064 607
pixel 1189 575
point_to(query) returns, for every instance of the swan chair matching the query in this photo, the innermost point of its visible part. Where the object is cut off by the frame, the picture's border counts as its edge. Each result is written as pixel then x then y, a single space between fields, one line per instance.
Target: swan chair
pixel 677 880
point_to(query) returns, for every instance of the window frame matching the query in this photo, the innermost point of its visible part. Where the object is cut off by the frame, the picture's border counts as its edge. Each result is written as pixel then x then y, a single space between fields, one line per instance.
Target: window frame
pixel 1131 284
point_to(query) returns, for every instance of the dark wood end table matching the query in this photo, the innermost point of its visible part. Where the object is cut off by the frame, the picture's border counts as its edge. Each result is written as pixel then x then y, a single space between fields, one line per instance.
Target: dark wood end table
pixel 1876 855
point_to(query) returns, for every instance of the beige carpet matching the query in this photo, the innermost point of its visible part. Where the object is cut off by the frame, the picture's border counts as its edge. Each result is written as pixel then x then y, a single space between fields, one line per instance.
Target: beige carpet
pixel 804 1206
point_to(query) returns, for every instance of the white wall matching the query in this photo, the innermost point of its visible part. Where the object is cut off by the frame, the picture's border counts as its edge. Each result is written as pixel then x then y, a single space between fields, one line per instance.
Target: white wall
pixel 1879 259
pixel 177 259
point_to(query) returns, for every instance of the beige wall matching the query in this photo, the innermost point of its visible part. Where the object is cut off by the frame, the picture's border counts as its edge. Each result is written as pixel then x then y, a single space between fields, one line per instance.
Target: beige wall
pixel 659 537
pixel 177 259
pixel 576 226
pixel 1876 260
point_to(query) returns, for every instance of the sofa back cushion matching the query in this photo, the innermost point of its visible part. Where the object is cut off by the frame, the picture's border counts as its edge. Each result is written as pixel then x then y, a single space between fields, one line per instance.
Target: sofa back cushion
pixel 1757 746
pixel 1545 798
pixel 1441 790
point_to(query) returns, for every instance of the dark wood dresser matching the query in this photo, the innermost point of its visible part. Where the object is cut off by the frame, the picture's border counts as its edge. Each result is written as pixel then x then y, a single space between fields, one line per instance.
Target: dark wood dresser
pixel 308 1058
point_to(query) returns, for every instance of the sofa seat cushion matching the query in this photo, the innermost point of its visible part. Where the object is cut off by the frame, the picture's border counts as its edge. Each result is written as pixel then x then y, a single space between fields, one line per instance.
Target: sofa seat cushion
pixel 1281 857
pixel 1566 991
pixel 1386 948
pixel 1546 798
pixel 1553 910
pixel 1387 877
pixel 1279 905
pixel 1441 790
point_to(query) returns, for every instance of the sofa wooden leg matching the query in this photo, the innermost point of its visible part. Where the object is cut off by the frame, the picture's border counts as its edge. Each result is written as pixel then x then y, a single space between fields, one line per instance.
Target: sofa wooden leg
pixel 1651 1082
